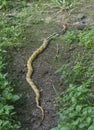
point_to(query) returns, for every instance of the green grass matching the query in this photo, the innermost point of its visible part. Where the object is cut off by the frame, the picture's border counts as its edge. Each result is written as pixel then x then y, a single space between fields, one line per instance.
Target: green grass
pixel 9 31
pixel 87 38
pixel 65 4
pixel 76 105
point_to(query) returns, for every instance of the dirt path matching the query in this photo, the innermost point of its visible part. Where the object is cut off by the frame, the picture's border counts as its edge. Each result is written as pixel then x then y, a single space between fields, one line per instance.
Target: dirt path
pixel 44 78
pixel 44 66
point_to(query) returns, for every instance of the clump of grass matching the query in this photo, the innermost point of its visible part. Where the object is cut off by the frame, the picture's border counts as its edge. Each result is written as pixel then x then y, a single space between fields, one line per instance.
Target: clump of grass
pixel 87 38
pixel 9 33
pixel 70 37
pixel 66 4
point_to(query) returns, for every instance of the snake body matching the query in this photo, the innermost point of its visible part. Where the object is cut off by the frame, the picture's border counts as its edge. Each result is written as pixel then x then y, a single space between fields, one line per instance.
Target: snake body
pixel 30 68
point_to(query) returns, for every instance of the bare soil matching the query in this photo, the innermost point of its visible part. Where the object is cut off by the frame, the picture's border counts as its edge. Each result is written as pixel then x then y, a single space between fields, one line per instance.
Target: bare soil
pixel 44 77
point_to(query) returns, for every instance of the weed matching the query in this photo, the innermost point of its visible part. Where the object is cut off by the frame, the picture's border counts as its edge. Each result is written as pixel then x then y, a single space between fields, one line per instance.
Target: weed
pixel 72 74
pixel 86 38
pixel 9 33
pixel 8 36
pixel 7 113
pixel 77 112
pixel 66 4
pixel 3 4
pixel 70 37
pixel 76 109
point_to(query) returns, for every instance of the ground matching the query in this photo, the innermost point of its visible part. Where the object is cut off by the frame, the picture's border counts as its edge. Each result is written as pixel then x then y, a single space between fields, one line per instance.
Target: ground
pixel 36 26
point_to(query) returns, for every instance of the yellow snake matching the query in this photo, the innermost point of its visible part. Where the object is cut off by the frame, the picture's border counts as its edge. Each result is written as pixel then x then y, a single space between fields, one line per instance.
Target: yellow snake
pixel 30 68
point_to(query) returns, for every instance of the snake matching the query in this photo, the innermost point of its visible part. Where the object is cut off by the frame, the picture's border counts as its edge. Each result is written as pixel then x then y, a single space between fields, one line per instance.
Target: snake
pixel 30 67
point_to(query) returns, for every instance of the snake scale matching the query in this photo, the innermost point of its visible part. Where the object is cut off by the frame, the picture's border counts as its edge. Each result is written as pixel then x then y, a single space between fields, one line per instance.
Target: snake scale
pixel 30 68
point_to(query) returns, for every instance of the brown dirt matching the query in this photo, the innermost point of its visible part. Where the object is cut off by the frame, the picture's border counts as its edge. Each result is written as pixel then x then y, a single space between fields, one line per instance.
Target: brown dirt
pixel 29 114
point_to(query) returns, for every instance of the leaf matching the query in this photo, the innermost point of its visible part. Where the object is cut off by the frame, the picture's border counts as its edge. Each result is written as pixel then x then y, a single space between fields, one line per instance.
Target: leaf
pixel 62 77
pixel 54 128
pixel 1 122
pixel 59 70
pixel 78 108
pixel 65 128
pixel 76 122
pixel 88 120
pixel 6 94
pixel 82 125
pixel 74 100
pixel 15 98
pixel 8 109
pixel 91 127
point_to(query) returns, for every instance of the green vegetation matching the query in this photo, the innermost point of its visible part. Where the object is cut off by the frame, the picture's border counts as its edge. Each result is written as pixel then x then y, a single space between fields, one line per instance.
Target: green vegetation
pixel 66 4
pixel 9 31
pixel 8 36
pixel 87 38
pixel 3 4
pixel 76 106
pixel 7 98
pixel 77 112
pixel 70 37
pixel 76 103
